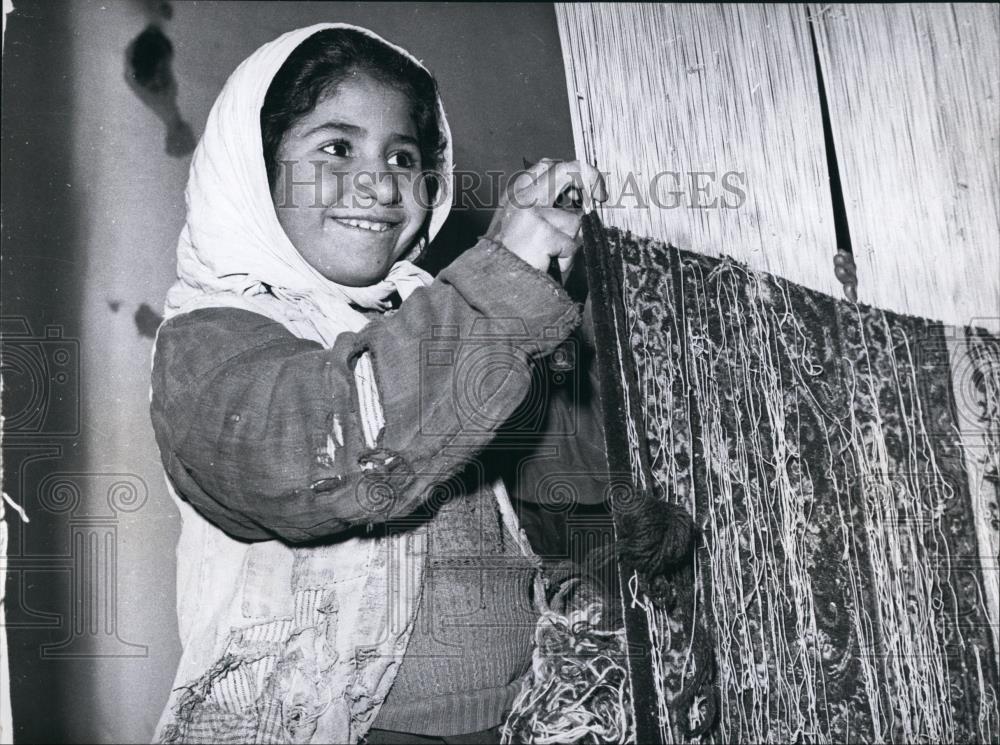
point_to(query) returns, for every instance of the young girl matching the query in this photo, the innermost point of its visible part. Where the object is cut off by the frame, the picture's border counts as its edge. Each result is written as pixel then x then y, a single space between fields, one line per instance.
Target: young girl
pixel 346 561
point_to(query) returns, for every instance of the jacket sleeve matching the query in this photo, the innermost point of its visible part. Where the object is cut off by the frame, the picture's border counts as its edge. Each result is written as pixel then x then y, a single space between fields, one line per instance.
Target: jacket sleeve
pixel 268 435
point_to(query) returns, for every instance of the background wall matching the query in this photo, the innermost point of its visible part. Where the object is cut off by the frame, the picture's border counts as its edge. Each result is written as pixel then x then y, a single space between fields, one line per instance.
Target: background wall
pixel 92 206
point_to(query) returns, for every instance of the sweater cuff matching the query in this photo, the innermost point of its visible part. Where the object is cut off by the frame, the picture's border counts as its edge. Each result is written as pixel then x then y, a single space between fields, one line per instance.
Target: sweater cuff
pixel 513 296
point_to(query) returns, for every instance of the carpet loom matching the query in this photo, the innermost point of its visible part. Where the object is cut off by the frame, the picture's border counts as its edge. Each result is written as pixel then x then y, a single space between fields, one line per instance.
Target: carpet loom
pixel 841 460
pixel 840 574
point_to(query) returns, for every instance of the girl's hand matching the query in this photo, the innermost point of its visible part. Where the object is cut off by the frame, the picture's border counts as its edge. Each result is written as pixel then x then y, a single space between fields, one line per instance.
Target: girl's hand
pixel 528 224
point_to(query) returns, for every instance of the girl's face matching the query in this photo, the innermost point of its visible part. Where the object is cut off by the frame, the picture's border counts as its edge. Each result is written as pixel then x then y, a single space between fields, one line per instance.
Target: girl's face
pixel 348 192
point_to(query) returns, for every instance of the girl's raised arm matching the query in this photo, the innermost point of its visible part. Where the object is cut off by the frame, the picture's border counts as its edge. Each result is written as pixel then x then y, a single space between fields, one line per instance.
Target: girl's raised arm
pixel 272 436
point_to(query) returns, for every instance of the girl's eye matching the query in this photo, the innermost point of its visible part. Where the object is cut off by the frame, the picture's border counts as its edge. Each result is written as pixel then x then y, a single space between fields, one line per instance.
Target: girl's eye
pixel 339 149
pixel 402 159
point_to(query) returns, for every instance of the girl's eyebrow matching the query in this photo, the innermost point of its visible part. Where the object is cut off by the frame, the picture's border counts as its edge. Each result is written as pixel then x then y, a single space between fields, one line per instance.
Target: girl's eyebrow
pixel 354 129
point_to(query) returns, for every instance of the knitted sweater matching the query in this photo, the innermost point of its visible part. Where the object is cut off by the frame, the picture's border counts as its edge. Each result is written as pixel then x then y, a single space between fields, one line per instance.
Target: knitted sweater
pixel 473 630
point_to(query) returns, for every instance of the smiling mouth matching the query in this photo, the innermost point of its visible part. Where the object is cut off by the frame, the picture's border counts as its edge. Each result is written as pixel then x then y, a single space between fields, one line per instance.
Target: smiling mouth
pixel 372 226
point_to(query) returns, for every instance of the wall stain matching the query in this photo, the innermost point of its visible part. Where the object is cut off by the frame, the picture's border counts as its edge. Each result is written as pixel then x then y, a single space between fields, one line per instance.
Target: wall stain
pixel 147 321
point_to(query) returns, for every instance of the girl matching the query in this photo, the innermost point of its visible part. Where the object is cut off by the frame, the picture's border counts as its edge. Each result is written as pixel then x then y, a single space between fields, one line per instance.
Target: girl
pixel 345 559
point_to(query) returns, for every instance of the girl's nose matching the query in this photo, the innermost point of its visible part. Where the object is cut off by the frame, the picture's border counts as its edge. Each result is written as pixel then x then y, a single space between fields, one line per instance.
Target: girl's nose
pixel 380 184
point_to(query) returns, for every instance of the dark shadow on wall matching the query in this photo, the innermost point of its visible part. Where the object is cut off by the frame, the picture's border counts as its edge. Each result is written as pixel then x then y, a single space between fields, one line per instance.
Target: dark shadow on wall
pixel 459 233
pixel 41 288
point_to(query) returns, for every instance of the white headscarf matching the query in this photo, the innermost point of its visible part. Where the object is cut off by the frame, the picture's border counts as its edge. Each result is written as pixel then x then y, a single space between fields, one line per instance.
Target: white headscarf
pixel 233 245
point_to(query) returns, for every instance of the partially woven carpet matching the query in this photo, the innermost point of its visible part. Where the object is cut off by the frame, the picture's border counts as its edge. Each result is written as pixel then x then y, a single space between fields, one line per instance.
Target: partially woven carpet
pixel 817 445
